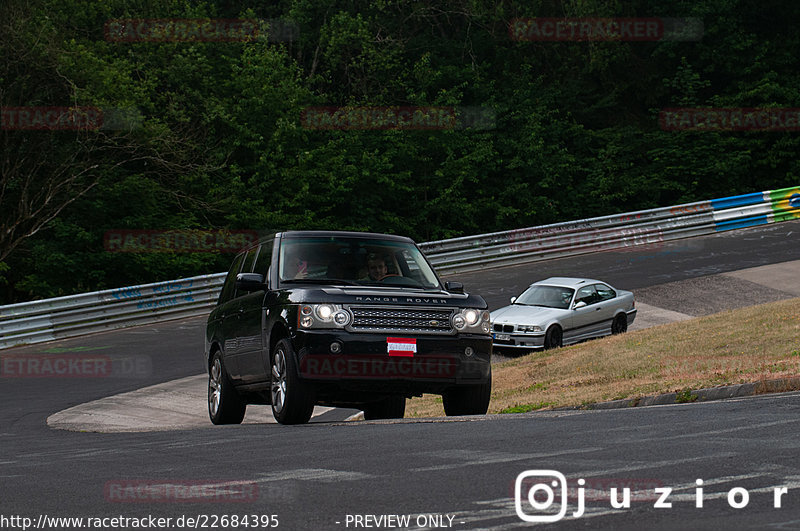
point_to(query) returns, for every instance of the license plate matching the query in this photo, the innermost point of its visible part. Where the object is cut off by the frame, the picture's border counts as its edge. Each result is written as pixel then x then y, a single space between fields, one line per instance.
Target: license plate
pixel 502 337
pixel 399 346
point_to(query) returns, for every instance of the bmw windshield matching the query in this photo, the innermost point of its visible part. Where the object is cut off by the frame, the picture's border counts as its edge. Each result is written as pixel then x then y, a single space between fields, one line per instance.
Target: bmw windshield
pixel 546 296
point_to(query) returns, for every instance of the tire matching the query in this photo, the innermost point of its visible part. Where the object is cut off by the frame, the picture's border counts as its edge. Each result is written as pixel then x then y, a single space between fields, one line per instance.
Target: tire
pixel 620 324
pixel 553 338
pixel 393 407
pixel 225 406
pixel 468 399
pixel 292 398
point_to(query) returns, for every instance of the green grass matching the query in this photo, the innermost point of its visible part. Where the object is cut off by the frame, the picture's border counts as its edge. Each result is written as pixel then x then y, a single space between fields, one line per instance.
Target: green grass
pixel 751 344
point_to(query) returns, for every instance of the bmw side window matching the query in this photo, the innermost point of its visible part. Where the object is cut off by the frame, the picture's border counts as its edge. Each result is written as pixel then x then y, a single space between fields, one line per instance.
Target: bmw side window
pixel 587 295
pixel 230 281
pixel 605 292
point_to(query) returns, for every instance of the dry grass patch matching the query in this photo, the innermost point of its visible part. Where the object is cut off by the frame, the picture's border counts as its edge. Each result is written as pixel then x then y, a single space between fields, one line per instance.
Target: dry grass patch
pixel 746 345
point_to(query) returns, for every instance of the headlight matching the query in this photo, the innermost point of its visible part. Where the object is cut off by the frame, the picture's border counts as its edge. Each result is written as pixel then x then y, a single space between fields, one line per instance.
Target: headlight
pixel 471 317
pixel 324 312
pixel 323 316
pixel 472 320
pixel 529 328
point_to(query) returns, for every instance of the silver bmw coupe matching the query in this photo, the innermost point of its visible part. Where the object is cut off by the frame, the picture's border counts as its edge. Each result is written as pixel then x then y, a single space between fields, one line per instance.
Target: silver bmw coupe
pixel 561 311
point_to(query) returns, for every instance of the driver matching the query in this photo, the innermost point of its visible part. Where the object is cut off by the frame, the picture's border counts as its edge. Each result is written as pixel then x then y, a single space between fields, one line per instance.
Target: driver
pixel 376 268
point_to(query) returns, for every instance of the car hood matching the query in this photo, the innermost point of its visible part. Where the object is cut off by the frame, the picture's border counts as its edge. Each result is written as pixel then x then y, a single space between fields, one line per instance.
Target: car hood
pixel 517 313
pixel 376 296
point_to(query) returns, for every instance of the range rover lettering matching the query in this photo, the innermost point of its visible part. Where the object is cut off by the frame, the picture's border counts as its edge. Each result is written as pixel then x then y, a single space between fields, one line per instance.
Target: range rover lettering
pixel 343 319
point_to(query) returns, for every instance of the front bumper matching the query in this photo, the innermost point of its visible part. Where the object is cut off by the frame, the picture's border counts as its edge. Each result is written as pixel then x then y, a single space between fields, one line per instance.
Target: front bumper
pixel 515 340
pixel 363 362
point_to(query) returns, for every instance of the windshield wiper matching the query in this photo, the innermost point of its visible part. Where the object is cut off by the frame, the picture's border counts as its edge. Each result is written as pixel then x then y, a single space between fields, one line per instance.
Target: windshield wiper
pixel 320 281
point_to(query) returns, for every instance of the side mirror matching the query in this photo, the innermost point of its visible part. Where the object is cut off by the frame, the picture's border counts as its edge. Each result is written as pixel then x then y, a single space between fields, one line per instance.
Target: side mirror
pixel 250 282
pixel 513 299
pixel 454 287
pixel 579 304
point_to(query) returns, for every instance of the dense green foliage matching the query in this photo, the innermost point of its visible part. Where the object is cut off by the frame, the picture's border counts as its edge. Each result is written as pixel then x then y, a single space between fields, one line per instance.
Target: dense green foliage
pixel 221 144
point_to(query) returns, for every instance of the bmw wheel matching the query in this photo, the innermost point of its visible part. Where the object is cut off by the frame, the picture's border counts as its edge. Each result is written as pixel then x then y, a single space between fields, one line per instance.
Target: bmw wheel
pixel 620 324
pixel 553 337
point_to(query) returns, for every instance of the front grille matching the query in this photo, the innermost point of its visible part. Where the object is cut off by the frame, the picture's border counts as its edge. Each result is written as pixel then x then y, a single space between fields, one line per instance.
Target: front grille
pixel 503 328
pixel 401 320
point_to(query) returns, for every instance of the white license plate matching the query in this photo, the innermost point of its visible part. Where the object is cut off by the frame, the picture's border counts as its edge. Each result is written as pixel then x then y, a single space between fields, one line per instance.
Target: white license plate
pixel 502 337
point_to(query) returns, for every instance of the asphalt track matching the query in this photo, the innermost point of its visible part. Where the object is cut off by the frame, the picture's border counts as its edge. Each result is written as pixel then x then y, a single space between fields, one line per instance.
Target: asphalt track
pixel 316 475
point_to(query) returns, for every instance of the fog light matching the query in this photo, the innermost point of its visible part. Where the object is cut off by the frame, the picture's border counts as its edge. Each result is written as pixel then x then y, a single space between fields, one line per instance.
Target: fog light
pixel 336 347
pixel 306 321
pixel 341 318
pixel 469 351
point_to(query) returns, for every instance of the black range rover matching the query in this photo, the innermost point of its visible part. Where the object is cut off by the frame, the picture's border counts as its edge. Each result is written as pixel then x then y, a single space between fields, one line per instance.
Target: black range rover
pixel 343 319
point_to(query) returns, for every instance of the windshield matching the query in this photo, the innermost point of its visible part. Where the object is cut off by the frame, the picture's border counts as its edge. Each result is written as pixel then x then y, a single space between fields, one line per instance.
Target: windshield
pixel 354 261
pixel 547 296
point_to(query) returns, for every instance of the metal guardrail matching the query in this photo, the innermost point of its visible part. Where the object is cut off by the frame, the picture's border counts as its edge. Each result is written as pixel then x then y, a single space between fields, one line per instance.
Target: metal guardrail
pixel 471 253
pixel 74 315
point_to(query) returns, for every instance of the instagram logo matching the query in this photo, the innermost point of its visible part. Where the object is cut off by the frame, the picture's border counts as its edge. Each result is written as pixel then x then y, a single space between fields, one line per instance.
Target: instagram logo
pixel 544 489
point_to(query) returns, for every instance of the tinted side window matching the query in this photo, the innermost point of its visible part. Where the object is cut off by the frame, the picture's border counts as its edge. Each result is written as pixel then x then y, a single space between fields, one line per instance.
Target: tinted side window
pixel 264 260
pixel 230 281
pixel 605 292
pixel 249 260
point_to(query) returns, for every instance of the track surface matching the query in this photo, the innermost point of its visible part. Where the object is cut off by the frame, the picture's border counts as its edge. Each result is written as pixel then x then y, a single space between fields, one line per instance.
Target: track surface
pixel 314 476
